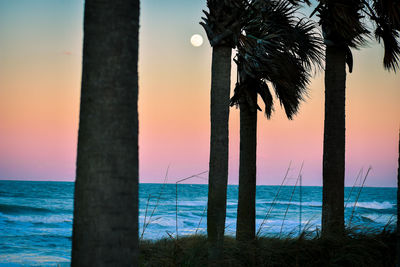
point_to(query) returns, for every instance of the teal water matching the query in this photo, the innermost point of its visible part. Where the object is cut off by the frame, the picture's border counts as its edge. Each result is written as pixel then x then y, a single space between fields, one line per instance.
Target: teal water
pixel 36 217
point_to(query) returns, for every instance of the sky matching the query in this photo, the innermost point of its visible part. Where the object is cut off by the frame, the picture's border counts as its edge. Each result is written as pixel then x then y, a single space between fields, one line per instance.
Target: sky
pixel 40 75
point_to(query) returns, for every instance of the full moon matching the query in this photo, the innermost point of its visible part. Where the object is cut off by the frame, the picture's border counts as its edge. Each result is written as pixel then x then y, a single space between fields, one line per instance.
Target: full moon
pixel 196 40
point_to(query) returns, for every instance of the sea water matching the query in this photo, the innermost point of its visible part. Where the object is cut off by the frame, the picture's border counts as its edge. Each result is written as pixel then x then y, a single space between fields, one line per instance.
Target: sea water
pixel 36 217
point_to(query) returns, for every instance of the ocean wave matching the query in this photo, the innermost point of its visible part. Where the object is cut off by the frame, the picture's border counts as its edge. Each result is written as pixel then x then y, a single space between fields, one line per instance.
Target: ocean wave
pixel 18 209
pixel 52 219
pixel 294 203
pixel 160 222
pixel 382 219
pixel 55 224
pixel 43 236
pixel 369 205
pixel 373 205
pixel 27 259
pixel 192 203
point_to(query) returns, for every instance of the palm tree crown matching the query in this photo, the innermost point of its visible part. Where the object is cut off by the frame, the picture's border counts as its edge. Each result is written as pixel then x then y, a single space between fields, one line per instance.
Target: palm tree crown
pixel 280 49
pixel 224 21
pixel 343 24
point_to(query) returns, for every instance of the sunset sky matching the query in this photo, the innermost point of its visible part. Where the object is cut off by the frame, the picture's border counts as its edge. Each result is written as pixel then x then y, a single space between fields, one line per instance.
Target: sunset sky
pixel 40 73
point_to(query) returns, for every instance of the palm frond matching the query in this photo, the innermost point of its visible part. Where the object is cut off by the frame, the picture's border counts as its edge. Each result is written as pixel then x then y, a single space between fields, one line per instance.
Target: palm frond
pixel 390 38
pixel 290 82
pixel 389 9
pixel 266 96
pixel 306 43
pixel 224 21
pixel 300 2
pixel 349 59
pixel 386 16
pixel 342 22
pixel 277 47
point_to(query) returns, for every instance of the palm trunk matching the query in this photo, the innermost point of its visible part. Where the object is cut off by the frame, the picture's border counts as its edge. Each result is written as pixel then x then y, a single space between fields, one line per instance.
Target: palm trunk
pixel 218 173
pixel 105 228
pixel 246 214
pixel 334 143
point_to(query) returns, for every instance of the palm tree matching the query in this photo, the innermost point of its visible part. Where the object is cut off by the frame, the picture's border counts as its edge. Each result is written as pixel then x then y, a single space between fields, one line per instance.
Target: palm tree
pixel 222 25
pixel 105 227
pixel 343 28
pixel 276 48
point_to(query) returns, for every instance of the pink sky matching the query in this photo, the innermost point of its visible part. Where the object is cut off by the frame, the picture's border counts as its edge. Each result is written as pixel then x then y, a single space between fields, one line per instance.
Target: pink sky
pixel 40 73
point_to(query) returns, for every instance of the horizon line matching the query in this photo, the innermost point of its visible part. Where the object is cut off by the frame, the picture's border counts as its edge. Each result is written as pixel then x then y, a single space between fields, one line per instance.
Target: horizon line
pixel 69 181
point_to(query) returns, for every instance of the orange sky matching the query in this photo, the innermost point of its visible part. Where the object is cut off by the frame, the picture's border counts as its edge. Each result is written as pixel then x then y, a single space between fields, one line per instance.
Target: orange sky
pixel 40 69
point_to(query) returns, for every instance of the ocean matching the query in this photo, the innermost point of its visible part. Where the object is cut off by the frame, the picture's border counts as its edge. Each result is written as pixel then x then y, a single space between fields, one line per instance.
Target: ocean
pixel 36 217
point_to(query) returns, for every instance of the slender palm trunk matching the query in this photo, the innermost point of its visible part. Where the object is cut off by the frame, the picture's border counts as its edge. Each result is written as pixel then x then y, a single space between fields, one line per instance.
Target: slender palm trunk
pixel 246 214
pixel 334 143
pixel 218 173
pixel 105 228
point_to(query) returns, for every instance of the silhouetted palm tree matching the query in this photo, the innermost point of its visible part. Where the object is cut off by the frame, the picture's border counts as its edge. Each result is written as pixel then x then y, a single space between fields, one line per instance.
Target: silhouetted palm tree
pixel 280 49
pixel 222 25
pixel 343 28
pixel 105 227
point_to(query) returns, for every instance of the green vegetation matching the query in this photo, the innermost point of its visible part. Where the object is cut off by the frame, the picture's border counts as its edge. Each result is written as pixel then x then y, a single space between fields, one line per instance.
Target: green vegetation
pixel 354 249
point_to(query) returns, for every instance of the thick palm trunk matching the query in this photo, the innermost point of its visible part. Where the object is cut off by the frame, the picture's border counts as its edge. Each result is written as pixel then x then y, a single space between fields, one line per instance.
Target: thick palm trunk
pixel 105 229
pixel 218 173
pixel 334 143
pixel 246 214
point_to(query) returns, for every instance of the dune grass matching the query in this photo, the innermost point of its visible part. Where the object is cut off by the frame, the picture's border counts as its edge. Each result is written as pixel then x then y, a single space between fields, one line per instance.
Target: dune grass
pixel 355 249
pixel 360 246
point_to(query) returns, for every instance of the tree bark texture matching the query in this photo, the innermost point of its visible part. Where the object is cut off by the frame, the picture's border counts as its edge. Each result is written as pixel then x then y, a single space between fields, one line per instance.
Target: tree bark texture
pixel 333 172
pixel 246 214
pixel 218 172
pixel 105 227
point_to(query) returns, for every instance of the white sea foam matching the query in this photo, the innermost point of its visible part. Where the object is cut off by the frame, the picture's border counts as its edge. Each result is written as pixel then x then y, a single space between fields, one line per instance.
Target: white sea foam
pixel 373 205
pixel 40 219
pixel 294 203
pixel 369 205
pixel 194 203
pixel 27 259
pixel 381 218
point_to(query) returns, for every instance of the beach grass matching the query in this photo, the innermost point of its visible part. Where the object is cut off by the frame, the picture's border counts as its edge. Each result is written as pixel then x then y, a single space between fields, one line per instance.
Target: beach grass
pixel 354 249
pixel 360 245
